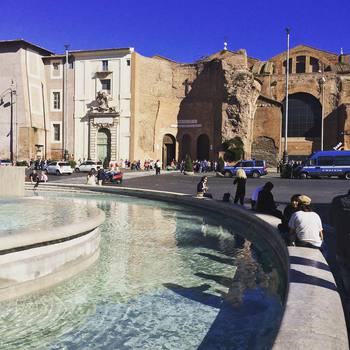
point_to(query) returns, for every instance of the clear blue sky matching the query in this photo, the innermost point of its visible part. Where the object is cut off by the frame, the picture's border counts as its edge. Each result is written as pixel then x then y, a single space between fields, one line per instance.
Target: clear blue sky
pixel 179 29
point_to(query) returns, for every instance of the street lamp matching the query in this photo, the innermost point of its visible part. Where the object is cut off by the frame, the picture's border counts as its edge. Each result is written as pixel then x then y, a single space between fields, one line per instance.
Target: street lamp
pixel 12 92
pixel 285 152
pixel 322 82
pixel 65 111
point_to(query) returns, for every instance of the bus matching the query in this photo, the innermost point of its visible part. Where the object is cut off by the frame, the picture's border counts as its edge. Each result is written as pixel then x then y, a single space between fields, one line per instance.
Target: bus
pixel 325 164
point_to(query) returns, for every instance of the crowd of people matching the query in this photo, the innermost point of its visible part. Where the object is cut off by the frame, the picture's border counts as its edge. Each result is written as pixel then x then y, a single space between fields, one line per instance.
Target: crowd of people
pixel 299 226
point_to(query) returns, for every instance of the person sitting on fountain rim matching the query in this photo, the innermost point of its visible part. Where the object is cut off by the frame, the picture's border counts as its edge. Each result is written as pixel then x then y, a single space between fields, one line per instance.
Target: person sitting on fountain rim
pixel 202 188
pixel 305 226
pixel 266 204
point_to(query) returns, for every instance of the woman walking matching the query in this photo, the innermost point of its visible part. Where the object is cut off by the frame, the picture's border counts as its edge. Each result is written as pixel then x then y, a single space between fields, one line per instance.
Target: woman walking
pixel 240 180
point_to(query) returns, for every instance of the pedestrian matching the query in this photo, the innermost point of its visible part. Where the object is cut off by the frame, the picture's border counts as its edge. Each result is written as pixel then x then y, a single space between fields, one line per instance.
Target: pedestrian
pixel 340 220
pixel 240 180
pixel 266 203
pixel 101 176
pixel 254 197
pixel 289 210
pixel 202 188
pixel 305 225
pixel 157 167
pixel 91 179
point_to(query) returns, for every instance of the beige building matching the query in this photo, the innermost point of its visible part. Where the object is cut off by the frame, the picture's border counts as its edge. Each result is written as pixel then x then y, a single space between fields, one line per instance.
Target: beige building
pixel 116 104
pixel 23 120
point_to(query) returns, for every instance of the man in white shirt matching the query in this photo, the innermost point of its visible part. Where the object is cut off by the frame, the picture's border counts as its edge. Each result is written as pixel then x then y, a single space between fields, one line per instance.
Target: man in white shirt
pixel 306 225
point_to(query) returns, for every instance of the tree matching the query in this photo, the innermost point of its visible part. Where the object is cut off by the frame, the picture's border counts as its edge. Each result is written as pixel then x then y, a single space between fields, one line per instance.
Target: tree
pixel 234 149
pixel 188 163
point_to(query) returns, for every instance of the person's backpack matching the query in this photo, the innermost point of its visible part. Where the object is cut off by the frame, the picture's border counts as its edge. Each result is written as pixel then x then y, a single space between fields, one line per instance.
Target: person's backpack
pixel 226 197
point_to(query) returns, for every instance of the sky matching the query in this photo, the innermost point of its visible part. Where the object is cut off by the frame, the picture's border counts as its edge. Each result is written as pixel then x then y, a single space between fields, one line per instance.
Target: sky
pixel 181 30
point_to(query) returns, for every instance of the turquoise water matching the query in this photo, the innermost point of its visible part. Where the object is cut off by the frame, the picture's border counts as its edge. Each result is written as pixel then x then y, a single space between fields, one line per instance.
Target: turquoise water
pixel 168 277
pixel 39 213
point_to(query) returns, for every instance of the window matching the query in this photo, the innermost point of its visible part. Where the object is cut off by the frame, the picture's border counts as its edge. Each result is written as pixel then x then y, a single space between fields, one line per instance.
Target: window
pixel 300 66
pixel 56 100
pixel 247 164
pixel 285 65
pixel 71 64
pixel 128 62
pixel 315 65
pixel 325 161
pixel 343 160
pixel 105 65
pixel 56 132
pixel 304 116
pixel 56 70
pixel 259 163
pixel 310 162
pixel 106 85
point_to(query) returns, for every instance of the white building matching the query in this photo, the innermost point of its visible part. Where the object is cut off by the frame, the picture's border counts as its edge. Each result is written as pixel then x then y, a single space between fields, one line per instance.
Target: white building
pixel 102 125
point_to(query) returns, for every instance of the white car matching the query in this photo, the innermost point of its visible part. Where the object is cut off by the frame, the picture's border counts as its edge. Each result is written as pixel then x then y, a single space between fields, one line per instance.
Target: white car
pixel 59 168
pixel 89 165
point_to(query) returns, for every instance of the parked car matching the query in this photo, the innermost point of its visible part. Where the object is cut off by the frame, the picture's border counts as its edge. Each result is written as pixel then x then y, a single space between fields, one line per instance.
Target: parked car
pixel 59 168
pixel 252 167
pixel 6 162
pixel 87 166
pixel 325 163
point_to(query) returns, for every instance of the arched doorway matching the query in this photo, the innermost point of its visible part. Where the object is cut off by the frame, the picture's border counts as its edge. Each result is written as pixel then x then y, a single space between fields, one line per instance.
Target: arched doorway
pixel 185 146
pixel 168 149
pixel 104 146
pixel 304 116
pixel 203 147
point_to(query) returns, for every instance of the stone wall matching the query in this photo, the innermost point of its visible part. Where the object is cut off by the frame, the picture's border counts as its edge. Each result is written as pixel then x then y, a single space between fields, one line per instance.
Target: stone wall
pixel 12 181
pixel 215 97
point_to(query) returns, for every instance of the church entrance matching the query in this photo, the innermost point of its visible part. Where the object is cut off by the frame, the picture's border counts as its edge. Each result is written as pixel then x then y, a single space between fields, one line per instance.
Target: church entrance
pixel 203 147
pixel 104 146
pixel 168 149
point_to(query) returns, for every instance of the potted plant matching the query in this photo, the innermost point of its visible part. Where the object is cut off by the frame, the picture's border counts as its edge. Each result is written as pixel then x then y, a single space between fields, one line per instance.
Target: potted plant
pixel 188 166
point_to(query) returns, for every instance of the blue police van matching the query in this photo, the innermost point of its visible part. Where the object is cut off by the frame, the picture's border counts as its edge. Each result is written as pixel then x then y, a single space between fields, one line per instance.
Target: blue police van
pixel 254 168
pixel 325 163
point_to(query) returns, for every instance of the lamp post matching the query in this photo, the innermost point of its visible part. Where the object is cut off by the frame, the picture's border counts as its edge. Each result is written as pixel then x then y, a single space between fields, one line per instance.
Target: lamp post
pixel 322 82
pixel 285 152
pixel 65 113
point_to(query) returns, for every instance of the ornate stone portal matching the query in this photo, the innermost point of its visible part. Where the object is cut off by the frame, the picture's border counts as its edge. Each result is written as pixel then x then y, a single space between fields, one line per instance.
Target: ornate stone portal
pixel 103 119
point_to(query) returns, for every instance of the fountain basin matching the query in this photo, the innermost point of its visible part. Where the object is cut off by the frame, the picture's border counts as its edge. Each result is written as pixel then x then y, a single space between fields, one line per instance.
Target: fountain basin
pixel 37 258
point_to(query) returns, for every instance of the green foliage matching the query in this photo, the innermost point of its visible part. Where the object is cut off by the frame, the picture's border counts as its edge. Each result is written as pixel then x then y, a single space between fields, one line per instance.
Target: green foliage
pixel 234 149
pixel 221 164
pixel 188 163
pixel 72 163
pixel 22 163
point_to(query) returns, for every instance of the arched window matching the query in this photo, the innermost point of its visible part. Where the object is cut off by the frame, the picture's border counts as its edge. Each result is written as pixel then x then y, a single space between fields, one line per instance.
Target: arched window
pixel 304 116
pixel 203 147
pixel 185 146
